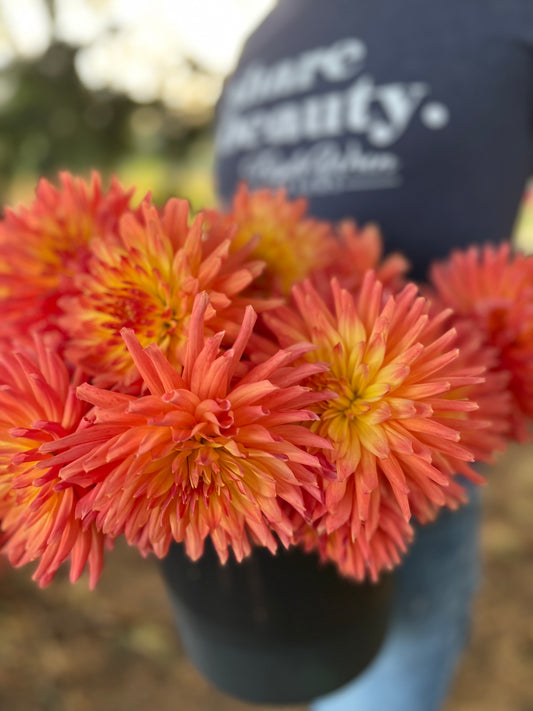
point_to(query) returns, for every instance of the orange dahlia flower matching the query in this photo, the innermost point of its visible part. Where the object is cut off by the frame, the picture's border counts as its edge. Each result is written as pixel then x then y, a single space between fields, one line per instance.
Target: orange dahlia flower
pixel 357 250
pixel 43 246
pixel 146 279
pixel 208 452
pixel 38 404
pixel 291 244
pixel 372 551
pixel 486 430
pixel 400 410
pixel 492 289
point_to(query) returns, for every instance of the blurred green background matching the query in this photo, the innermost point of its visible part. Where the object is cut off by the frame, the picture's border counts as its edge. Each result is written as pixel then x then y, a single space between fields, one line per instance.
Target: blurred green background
pixel 129 87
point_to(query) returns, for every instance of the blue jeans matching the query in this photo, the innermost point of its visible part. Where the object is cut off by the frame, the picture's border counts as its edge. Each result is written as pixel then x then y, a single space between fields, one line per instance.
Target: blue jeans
pixel 430 621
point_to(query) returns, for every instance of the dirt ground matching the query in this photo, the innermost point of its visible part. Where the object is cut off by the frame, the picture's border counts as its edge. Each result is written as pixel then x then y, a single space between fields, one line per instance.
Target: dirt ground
pixel 115 649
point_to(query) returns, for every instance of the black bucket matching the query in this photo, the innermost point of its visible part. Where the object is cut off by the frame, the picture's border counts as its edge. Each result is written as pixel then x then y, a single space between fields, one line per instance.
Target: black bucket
pixel 275 629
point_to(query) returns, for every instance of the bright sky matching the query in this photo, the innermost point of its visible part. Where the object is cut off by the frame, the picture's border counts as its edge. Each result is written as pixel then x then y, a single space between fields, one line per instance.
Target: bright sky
pixel 137 46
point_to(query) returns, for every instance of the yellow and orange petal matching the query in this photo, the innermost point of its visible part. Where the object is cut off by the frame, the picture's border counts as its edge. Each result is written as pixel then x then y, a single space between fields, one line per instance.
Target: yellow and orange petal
pixel 400 410
pixel 38 404
pixel 44 245
pixel 291 244
pixel 492 289
pixel 207 452
pixel 146 279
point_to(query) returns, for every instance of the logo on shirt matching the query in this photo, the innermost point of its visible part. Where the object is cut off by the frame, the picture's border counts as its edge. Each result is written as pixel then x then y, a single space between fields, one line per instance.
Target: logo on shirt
pixel 318 142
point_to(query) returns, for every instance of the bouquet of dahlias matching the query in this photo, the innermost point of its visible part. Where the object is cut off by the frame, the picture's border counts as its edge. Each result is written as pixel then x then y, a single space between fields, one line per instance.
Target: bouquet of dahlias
pixel 257 377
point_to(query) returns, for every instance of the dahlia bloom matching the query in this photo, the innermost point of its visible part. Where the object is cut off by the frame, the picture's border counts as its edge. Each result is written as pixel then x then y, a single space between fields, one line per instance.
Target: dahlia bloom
pixel 209 451
pixel 356 251
pixel 291 244
pixel 492 289
pixel 38 404
pixel 194 425
pixel 372 552
pixel 43 246
pixel 146 279
pixel 400 410
pixel 486 430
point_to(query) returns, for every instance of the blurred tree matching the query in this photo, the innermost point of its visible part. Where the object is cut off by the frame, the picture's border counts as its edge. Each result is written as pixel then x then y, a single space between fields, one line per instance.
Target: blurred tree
pixel 50 121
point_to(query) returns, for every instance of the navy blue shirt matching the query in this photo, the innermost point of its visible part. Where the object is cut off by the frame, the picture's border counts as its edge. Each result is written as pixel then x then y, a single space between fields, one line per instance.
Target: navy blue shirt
pixel 417 114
